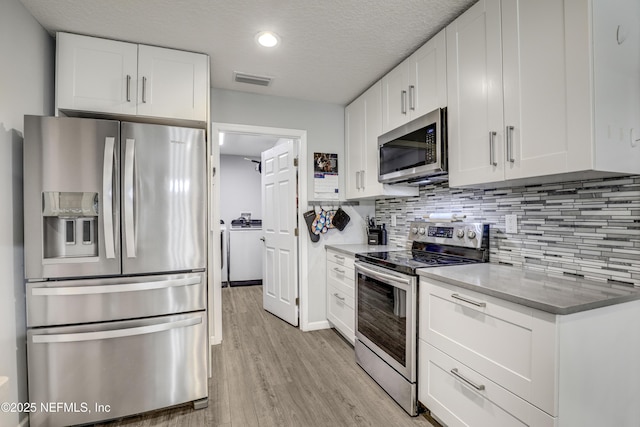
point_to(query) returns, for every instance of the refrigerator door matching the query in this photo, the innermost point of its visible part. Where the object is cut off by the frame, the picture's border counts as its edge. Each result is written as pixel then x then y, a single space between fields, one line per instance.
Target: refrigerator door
pixel 71 197
pixel 110 370
pixel 164 198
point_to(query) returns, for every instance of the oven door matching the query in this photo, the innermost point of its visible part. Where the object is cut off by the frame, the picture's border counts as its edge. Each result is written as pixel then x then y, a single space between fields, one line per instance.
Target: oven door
pixel 386 316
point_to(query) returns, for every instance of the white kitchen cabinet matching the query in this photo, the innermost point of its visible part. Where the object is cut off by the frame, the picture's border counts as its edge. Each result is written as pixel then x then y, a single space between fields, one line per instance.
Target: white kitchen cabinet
pixel 484 361
pixel 526 103
pixel 112 77
pixel 362 128
pixel 417 86
pixel 94 74
pixel 341 293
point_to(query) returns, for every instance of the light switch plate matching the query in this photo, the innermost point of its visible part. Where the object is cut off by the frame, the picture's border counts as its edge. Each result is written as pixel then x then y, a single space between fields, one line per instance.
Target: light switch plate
pixel 511 222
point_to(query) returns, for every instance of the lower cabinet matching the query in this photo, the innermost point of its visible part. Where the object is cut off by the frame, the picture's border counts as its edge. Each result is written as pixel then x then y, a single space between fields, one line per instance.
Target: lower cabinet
pixel 341 293
pixel 484 361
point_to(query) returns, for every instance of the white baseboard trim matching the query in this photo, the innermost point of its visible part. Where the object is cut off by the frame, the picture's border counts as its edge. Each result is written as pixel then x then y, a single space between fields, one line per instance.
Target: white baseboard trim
pixel 215 340
pixel 315 326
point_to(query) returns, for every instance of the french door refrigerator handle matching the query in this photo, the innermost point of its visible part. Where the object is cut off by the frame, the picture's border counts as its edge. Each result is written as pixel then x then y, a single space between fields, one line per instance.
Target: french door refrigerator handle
pixel 112 289
pixel 107 196
pixel 129 159
pixel 117 333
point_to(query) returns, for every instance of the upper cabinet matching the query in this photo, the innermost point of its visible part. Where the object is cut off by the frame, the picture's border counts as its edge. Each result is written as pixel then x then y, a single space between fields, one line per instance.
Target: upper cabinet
pixel 416 86
pixel 363 125
pixel 526 102
pixel 106 76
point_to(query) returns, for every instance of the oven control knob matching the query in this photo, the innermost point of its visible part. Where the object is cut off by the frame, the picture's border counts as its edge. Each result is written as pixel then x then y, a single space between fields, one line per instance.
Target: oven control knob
pixel 471 234
pixel 460 234
pixel 414 230
pixel 421 230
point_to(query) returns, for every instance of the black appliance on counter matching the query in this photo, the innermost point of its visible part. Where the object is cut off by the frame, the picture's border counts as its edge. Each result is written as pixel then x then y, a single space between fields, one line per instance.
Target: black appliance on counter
pixel 387 299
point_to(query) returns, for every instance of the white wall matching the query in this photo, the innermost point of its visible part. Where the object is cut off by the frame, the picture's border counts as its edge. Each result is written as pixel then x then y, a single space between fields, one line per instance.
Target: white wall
pixel 240 188
pixel 324 124
pixel 26 87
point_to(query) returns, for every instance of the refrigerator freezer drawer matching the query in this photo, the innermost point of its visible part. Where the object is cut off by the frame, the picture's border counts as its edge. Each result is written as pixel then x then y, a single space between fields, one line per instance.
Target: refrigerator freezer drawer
pixel 110 370
pixel 97 300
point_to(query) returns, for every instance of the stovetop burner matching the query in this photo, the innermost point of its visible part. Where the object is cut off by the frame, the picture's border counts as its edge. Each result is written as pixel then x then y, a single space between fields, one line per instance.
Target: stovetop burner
pixel 435 245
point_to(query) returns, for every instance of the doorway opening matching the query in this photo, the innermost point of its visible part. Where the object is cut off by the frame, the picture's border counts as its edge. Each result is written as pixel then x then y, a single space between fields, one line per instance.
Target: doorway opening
pixel 243 244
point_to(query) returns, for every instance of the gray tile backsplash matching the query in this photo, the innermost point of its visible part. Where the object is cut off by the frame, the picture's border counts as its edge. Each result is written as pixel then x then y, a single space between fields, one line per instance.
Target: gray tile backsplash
pixel 585 229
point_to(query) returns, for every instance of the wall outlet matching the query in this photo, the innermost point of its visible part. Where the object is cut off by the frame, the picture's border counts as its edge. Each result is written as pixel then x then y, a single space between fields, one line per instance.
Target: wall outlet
pixel 394 221
pixel 511 222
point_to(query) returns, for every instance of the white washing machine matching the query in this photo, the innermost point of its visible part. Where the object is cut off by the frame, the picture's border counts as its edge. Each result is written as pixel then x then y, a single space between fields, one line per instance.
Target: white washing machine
pixel 245 254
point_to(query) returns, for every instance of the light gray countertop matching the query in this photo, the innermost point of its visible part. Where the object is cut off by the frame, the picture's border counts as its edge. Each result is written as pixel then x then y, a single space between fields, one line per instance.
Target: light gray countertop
pixel 548 293
pixel 355 248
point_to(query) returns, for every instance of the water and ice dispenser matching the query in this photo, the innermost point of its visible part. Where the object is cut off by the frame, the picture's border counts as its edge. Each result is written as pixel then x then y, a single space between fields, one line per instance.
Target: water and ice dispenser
pixel 70 224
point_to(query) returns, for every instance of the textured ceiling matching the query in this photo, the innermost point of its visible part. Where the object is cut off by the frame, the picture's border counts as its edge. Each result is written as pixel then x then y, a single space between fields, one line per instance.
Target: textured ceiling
pixel 331 50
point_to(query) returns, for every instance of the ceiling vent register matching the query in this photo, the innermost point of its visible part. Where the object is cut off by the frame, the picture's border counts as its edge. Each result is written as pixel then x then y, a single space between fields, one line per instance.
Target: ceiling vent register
pixel 252 79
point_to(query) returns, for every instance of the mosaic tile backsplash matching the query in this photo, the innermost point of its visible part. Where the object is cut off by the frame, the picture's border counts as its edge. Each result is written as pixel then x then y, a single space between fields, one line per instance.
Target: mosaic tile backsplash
pixel 587 229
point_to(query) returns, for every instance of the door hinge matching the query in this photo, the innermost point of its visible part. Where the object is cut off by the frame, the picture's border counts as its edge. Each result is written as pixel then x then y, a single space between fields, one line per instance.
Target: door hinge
pixel 297 301
pixel 295 231
pixel 295 162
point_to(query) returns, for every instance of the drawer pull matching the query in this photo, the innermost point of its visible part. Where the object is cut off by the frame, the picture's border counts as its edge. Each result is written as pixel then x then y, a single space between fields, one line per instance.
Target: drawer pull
pixel 338 296
pixel 337 270
pixel 456 374
pixel 469 301
pixel 340 257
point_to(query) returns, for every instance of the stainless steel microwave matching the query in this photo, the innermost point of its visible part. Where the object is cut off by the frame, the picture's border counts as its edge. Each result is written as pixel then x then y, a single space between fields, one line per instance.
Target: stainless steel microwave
pixel 416 152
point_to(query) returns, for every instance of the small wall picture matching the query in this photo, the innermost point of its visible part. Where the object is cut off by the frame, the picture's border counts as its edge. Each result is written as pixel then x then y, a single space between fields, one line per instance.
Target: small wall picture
pixel 325 163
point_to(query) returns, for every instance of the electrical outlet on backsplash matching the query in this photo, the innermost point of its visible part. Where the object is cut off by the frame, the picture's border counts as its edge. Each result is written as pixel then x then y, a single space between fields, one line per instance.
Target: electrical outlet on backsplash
pixel 585 229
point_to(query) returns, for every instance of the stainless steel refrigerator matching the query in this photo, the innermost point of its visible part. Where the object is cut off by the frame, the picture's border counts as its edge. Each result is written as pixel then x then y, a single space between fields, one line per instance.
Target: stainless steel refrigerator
pixel 115 257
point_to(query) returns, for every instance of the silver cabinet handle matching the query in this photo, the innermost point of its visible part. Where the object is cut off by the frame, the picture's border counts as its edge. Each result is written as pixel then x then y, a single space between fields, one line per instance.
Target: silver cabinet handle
pixel 357 180
pixel 412 97
pixel 107 196
pixel 128 88
pixel 144 90
pixel 337 270
pixel 128 195
pixel 492 136
pixel 263 239
pixel 117 333
pixel 338 296
pixel 362 179
pixel 112 289
pixel 469 301
pixel 403 102
pixel 478 387
pixel 510 144
pixel 340 257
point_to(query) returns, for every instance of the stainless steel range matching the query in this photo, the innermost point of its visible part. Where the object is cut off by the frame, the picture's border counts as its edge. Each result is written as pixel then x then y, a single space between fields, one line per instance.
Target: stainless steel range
pixel 387 296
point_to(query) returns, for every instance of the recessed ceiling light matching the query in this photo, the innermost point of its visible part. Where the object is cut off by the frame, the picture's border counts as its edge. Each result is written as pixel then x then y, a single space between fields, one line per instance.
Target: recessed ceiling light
pixel 267 39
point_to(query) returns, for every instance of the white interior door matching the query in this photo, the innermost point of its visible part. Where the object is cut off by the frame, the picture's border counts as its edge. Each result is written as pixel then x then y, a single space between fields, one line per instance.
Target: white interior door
pixel 279 222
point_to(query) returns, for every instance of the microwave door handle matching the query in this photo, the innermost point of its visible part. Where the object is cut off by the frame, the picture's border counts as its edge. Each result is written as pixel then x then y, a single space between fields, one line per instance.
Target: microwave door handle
pixel 107 196
pixel 129 159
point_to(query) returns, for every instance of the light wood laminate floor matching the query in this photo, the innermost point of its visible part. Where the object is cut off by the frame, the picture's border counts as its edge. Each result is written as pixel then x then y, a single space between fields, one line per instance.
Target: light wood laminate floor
pixel 268 373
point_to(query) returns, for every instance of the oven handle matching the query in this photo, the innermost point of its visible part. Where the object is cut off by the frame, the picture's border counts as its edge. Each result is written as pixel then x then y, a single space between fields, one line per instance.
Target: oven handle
pixel 376 274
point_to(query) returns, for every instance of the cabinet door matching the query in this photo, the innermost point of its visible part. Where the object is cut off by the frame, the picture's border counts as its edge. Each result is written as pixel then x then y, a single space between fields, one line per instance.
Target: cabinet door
pixel 535 88
pixel 354 139
pixel 395 97
pixel 616 40
pixel 95 74
pixel 474 81
pixel 172 83
pixel 428 77
pixel 372 130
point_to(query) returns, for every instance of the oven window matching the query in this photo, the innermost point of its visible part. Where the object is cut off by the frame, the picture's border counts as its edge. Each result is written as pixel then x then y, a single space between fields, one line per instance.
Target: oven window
pixel 382 316
pixel 410 151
